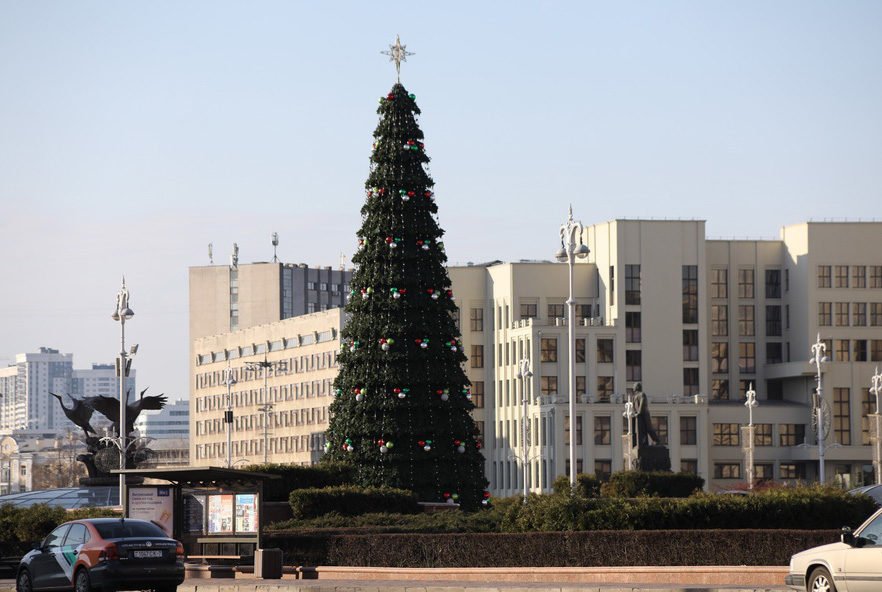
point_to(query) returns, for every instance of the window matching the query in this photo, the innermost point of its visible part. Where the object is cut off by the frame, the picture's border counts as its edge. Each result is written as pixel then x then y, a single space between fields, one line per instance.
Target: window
pixel 774 353
pixel 876 314
pixel 476 319
pixel 762 434
pixel 632 327
pixel 582 312
pixel 773 283
pixel 746 327
pixel 612 283
pixel 747 357
pixel 824 276
pixel 763 471
pixel 477 357
pixel 77 535
pixel 602 429
pixel 548 385
pixel 726 434
pixel 825 314
pixel 876 350
pixel 581 385
pixel 859 314
pixel 478 394
pixel 634 363
pixel 580 350
pixel 792 471
pixel 745 283
pixel 605 351
pixel 868 406
pixel 720 389
pixel 690 381
pixel 719 283
pixel 310 285
pixel 632 284
pixel 860 350
pixel 689 466
pixel 605 387
pixel 841 276
pixel 602 469
pixel 690 345
pixel 529 310
pixel 841 349
pixel 690 293
pixel 773 321
pixel 842 416
pixel 842 314
pixel 688 430
pixel 727 471
pixel 548 349
pixel 876 276
pixel 556 311
pixel 719 320
pixel 578 430
pixel 791 434
pixel 660 425
pixel 719 357
pixel 858 276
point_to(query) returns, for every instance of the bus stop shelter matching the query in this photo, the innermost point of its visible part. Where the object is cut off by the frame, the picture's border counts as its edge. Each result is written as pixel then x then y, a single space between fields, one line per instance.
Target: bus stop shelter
pixel 217 513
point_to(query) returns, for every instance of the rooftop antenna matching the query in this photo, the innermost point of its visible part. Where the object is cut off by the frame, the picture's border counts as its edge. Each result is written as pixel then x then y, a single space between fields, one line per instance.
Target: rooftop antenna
pixel 275 244
pixel 342 261
pixel 210 254
pixel 234 258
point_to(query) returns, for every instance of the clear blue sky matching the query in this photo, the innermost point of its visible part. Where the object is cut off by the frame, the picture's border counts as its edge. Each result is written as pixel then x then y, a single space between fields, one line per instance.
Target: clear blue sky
pixel 132 134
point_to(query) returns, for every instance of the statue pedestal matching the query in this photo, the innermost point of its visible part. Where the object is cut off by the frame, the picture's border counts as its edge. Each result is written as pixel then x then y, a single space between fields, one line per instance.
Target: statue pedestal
pixel 653 458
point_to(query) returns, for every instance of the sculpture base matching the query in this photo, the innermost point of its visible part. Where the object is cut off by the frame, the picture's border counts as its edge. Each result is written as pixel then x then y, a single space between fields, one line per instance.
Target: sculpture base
pixel 109 480
pixel 653 458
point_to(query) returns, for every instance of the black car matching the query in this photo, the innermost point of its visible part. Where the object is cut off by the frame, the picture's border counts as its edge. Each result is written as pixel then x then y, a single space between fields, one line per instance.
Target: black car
pixel 106 554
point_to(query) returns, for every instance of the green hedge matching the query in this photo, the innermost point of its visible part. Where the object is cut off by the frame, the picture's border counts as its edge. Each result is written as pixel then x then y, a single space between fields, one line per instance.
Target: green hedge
pixel 654 484
pixel 301 477
pixel 586 485
pixel 350 500
pixel 23 526
pixel 550 549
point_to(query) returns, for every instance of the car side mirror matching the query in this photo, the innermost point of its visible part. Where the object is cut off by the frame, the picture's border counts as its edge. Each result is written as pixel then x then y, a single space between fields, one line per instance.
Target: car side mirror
pixel 847 536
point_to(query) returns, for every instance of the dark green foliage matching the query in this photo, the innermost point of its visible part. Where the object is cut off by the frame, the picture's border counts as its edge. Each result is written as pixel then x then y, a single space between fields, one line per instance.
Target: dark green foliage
pixel 22 526
pixel 351 501
pixel 551 549
pixel 294 477
pixel 401 415
pixel 586 485
pixel 655 484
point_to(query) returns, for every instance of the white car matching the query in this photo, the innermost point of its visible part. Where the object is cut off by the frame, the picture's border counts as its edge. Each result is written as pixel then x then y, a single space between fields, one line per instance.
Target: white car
pixel 852 565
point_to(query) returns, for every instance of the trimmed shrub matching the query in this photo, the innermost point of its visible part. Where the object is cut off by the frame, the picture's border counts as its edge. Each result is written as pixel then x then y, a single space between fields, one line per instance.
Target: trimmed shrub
pixel 23 526
pixel 551 549
pixel 301 477
pixel 586 485
pixel 653 484
pixel 350 500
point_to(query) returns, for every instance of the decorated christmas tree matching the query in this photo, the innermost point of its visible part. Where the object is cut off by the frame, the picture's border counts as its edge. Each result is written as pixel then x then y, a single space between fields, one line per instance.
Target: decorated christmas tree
pixel 401 413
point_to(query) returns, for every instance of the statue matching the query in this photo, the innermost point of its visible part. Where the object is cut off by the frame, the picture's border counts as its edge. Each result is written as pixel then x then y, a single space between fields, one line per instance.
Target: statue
pixel 102 455
pixel 651 455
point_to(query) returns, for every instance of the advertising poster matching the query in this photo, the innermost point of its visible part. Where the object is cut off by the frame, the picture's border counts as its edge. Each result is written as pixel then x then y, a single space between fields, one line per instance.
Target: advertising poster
pixel 246 512
pixel 154 504
pixel 220 513
pixel 194 513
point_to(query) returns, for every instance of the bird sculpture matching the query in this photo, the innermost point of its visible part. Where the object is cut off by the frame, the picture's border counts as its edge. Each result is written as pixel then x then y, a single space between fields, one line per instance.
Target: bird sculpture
pixel 79 413
pixel 109 408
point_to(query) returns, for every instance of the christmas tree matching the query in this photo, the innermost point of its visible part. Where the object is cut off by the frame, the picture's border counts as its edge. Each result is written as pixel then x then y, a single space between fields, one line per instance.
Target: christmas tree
pixel 401 413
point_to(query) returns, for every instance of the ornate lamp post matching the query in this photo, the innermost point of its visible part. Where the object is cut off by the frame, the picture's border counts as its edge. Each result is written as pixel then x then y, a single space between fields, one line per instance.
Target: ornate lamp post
pixel 876 389
pixel 819 405
pixel 228 414
pixel 570 233
pixel 524 373
pixel 122 314
pixel 267 406
pixel 750 403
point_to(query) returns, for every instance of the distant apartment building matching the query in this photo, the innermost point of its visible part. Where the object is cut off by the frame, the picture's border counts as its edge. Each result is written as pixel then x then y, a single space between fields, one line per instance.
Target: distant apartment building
pixel 696 321
pixel 167 433
pixel 25 387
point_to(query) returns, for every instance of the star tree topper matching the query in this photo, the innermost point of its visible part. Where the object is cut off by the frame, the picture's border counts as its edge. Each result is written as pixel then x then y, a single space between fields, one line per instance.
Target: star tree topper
pixel 397 53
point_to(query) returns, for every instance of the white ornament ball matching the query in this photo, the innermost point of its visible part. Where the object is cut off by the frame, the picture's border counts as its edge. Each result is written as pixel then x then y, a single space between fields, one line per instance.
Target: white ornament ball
pixel 385 347
pixel 450 500
pixel 445 396
pixel 460 449
pixel 424 345
pixel 425 247
pixel 350 448
pixel 393 245
pixel 405 198
pixel 427 448
pixel 383 449
pixel 401 395
pixel 359 397
pixel 452 348
pixel 396 295
pixel 435 296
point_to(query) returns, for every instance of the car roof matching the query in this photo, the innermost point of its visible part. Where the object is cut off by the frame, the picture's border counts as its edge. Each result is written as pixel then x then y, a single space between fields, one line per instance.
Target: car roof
pixel 108 520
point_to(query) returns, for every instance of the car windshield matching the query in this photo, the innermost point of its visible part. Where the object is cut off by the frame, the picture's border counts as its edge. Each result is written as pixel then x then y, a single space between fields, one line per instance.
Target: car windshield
pixel 128 528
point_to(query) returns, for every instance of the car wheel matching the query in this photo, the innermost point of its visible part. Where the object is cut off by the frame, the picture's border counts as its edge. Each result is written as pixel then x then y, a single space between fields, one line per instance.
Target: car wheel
pixel 82 583
pixel 819 581
pixel 23 582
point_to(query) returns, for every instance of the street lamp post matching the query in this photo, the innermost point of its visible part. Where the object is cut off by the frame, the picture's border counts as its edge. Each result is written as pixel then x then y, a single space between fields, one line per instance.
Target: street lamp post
pixel 122 314
pixel 267 406
pixel 570 234
pixel 750 403
pixel 228 414
pixel 876 389
pixel 524 373
pixel 819 350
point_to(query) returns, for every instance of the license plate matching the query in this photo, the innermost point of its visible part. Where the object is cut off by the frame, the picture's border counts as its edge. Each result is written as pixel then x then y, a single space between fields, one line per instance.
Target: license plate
pixel 152 554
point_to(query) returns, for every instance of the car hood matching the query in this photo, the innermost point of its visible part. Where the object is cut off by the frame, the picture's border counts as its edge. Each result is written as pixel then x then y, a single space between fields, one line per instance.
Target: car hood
pixel 814 551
